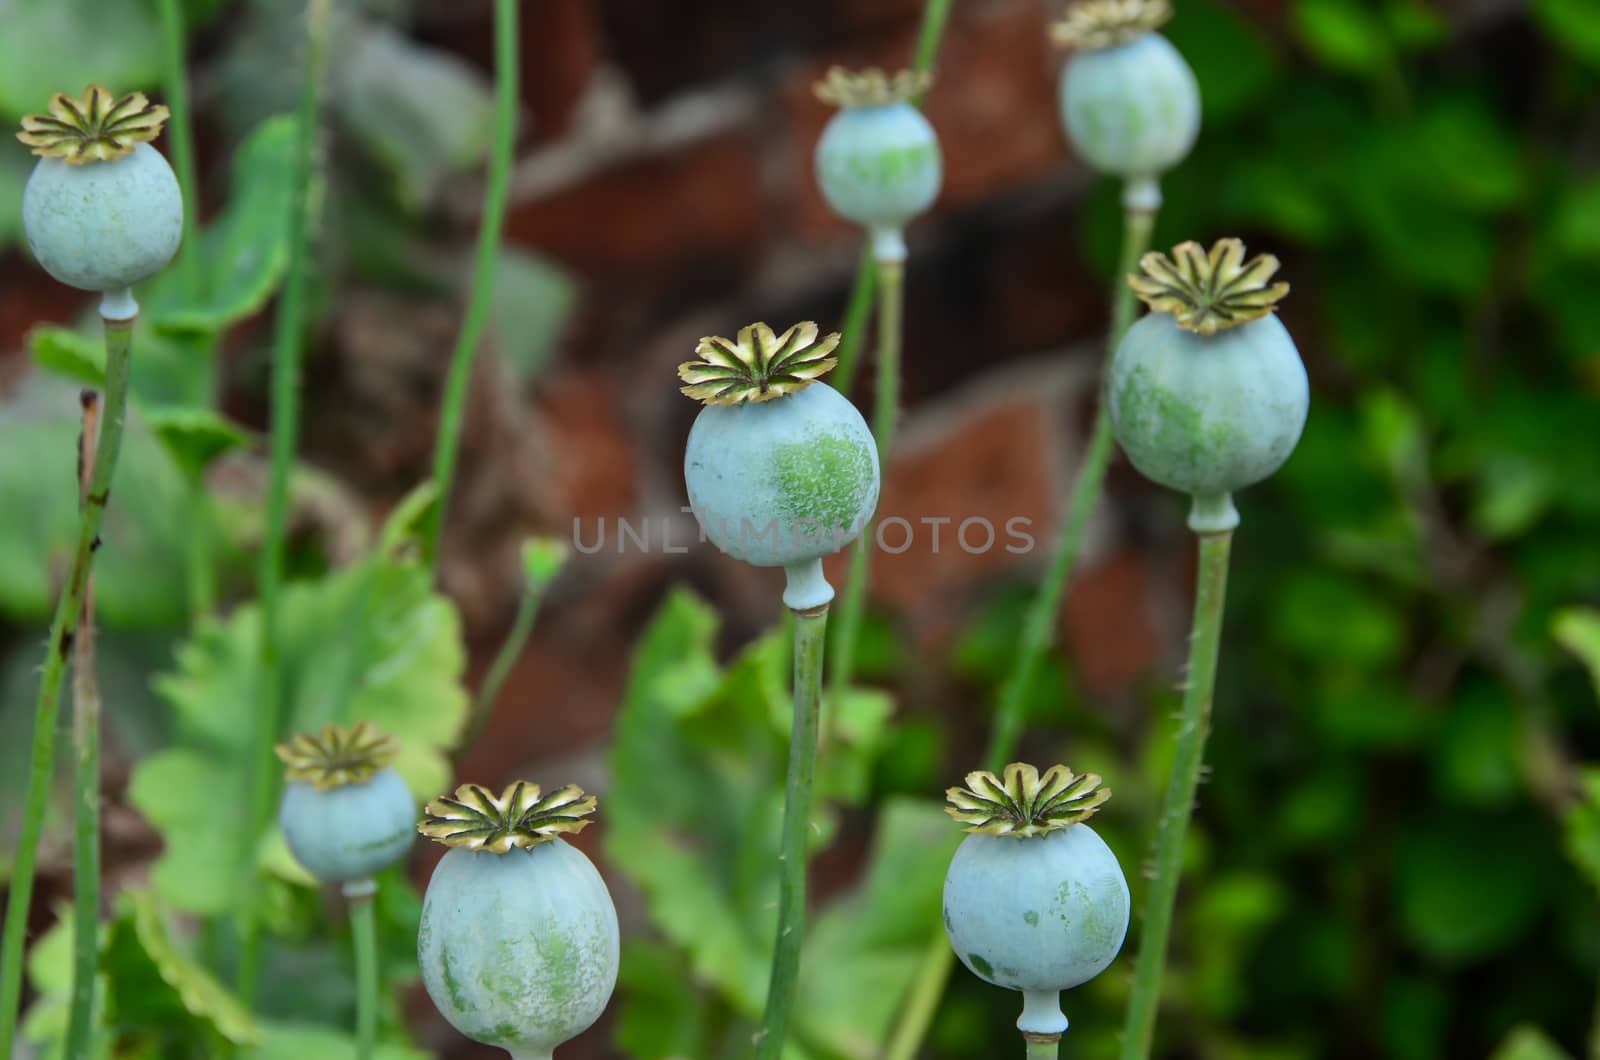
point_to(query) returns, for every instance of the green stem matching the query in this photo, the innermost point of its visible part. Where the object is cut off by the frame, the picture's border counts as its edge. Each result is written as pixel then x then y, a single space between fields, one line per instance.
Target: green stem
pixel 86 806
pixel 493 681
pixel 180 134
pixel 855 321
pixel 1211 586
pixel 201 572
pixel 364 932
pixel 1044 611
pixel 288 340
pixel 923 1001
pixel 448 443
pixel 810 638
pixel 63 629
pixel 930 34
pixel 885 414
pixel 1042 615
pixel 1038 1050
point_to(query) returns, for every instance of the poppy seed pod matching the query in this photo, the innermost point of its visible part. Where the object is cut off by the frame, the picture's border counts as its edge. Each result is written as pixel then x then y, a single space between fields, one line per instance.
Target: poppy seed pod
pixel 1130 104
pixel 781 469
pixel 519 942
pixel 878 161
pixel 1034 900
pixel 345 815
pixel 1207 392
pixel 102 209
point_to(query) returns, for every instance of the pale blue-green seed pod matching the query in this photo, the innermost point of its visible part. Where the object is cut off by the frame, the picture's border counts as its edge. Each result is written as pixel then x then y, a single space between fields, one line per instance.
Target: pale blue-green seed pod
pixel 1208 414
pixel 103 226
pixel 781 470
pixel 350 832
pixel 519 943
pixel 1034 900
pixel 1207 392
pixel 880 167
pixel 783 481
pixel 1131 110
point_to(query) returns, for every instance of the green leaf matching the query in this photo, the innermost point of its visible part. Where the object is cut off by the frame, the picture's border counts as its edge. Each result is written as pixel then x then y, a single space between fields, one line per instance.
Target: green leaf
pixel 198 992
pixel 1529 1043
pixel 1343 35
pixel 1231 58
pixel 368 642
pixel 1467 887
pixel 693 818
pixel 195 436
pixel 1475 751
pixel 1581 829
pixel 1577 629
pixel 421 112
pixel 70 354
pixel 309 1041
pixel 533 302
pixel 54 46
pixel 1572 26
pixel 246 250
pixel 406 520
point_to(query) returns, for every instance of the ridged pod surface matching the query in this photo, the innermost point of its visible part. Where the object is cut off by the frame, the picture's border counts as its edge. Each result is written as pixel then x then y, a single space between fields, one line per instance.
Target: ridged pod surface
pixel 106 225
pixel 1040 913
pixel 1132 110
pixel 776 483
pixel 519 949
pixel 352 831
pixel 1207 414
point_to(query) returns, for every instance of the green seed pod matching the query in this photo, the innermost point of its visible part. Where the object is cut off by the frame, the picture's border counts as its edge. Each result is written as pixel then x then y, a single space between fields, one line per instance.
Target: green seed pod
pixel 781 469
pixel 1129 102
pixel 1207 392
pixel 1034 900
pixel 102 209
pixel 878 161
pixel 519 942
pixel 345 815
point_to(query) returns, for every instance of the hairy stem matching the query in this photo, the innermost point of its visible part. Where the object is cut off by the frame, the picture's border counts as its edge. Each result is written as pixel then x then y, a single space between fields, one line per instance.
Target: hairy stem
pixel 448 444
pixel 63 630
pixel 1044 611
pixel 1211 586
pixel 493 681
pixel 885 414
pixel 288 340
pixel 810 638
pixel 86 806
pixel 364 932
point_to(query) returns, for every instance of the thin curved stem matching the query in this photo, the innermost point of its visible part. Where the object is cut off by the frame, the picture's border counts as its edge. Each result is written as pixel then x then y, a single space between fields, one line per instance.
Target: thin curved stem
pixel 1046 606
pixel 288 340
pixel 180 134
pixel 364 933
pixel 86 806
pixel 448 444
pixel 885 415
pixel 1006 731
pixel 854 326
pixel 495 680
pixel 810 639
pixel 63 630
pixel 1205 636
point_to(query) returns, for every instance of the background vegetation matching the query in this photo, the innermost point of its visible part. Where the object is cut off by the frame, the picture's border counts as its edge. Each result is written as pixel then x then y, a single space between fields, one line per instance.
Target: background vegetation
pixel 1398 848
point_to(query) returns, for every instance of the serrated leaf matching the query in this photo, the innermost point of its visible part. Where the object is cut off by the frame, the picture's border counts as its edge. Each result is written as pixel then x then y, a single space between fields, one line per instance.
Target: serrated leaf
pixel 246 250
pixel 195 436
pixel 69 353
pixel 371 642
pixel 200 994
